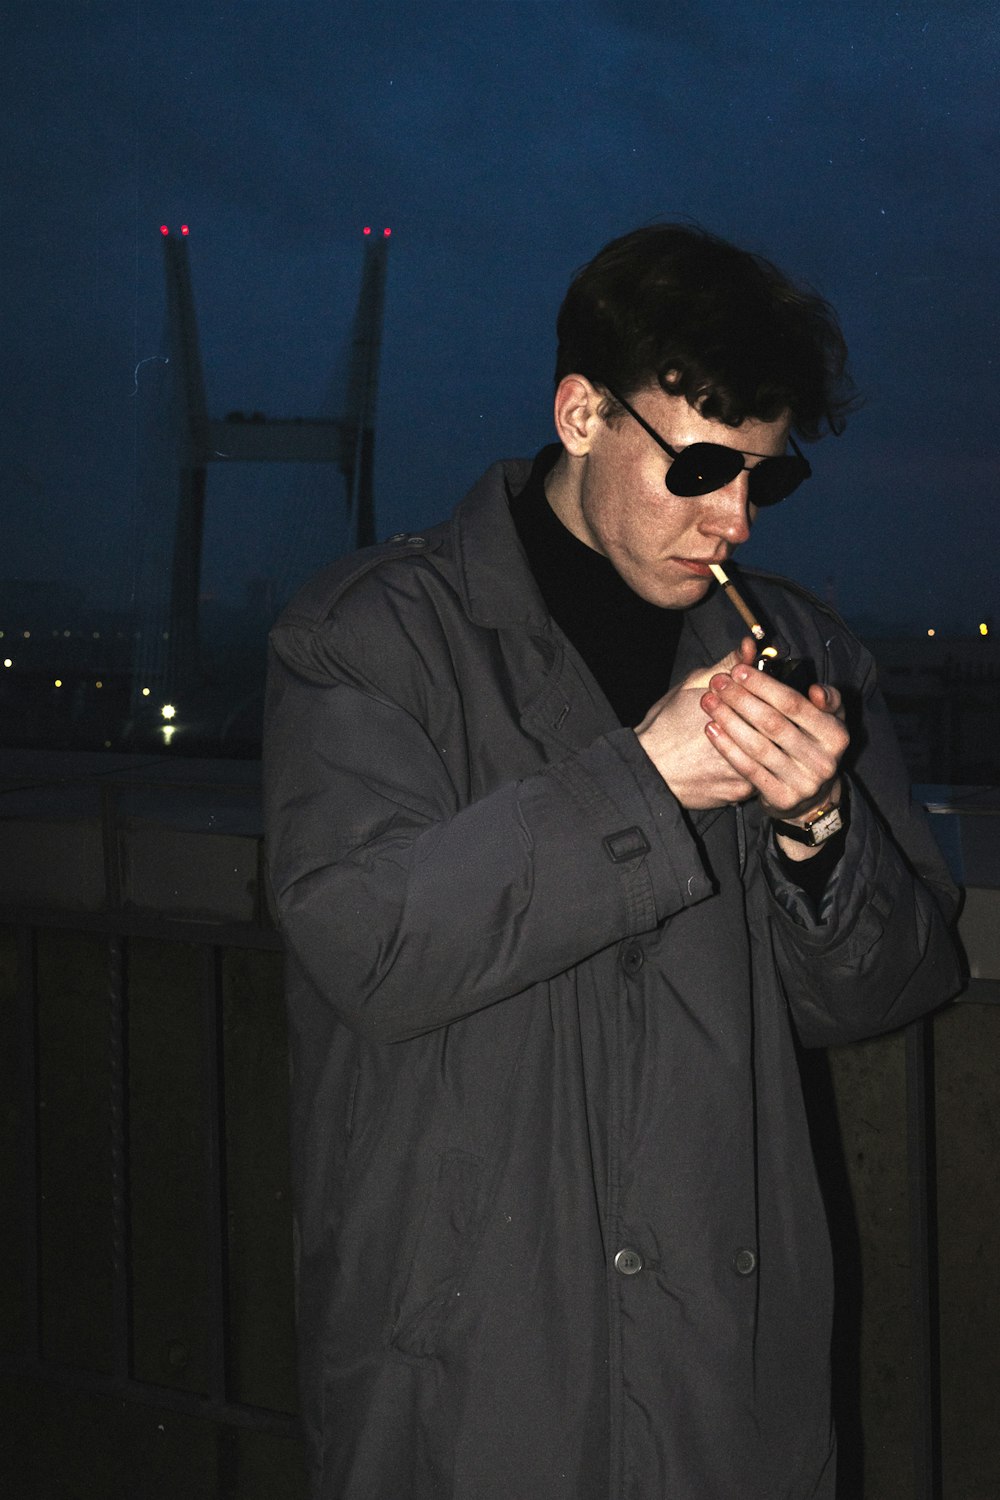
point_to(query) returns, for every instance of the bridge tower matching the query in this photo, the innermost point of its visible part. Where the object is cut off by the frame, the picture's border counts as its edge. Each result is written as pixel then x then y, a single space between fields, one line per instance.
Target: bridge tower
pixel 348 442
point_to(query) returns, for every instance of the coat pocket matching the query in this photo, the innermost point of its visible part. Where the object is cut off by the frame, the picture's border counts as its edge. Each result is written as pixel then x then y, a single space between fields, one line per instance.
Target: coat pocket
pixel 445 1245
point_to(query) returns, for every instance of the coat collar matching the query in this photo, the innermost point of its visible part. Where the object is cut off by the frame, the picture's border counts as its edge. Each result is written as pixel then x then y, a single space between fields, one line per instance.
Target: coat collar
pixel 499 592
pixel 496 584
pixel 560 702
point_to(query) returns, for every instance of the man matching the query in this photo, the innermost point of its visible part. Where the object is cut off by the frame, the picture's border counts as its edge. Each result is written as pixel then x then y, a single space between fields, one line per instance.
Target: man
pixel 565 881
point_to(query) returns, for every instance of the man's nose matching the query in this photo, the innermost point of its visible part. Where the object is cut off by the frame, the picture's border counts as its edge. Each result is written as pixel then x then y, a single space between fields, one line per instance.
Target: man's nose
pixel 727 512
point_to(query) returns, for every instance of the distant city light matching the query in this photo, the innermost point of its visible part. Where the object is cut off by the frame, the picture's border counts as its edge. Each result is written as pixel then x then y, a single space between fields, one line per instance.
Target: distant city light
pixel 984 629
pixel 26 634
pixel 58 682
pixel 145 692
pixel 932 632
pixel 67 633
pixel 168 710
pixel 7 662
pixel 98 684
pixel 96 634
pixel 164 229
pixel 169 730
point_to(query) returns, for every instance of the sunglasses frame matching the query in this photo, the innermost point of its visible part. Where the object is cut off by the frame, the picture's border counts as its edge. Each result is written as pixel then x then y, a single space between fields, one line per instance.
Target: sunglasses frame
pixel 676 453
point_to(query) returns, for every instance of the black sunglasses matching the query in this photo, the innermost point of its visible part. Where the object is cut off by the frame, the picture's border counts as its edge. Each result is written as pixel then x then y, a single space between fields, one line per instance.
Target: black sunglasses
pixel 701 468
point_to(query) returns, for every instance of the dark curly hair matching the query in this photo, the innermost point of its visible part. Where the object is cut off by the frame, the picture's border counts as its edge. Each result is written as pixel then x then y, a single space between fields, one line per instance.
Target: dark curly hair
pixel 673 304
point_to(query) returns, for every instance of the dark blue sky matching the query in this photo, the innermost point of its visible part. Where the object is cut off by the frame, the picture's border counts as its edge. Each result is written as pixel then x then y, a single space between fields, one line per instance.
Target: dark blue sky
pixel 504 143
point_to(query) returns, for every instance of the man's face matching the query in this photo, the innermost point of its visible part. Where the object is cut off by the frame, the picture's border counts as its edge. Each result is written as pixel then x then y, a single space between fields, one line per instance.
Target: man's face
pixel 660 543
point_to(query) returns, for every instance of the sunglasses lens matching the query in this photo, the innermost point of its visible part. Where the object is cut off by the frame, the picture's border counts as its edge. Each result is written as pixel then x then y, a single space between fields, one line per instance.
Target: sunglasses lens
pixel 703 467
pixel 774 479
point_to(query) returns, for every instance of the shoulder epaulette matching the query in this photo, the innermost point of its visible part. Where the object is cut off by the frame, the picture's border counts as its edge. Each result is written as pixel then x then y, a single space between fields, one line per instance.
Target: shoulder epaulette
pixel 315 601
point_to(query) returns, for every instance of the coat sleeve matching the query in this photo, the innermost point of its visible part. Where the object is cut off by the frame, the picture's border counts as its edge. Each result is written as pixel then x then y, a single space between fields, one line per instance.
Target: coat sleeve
pixel 407 910
pixel 883 952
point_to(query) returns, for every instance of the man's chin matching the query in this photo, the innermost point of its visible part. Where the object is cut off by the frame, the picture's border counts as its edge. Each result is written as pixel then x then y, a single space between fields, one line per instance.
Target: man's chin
pixel 675 594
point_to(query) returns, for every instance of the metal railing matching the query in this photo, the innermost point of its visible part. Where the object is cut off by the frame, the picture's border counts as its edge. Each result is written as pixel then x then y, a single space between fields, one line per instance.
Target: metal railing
pixel 217 1402
pixel 119 926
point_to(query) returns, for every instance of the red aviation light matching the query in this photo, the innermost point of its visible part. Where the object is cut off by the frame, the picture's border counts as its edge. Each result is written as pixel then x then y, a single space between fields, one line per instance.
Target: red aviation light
pixel 184 229
pixel 367 229
pixel 164 229
pixel 386 233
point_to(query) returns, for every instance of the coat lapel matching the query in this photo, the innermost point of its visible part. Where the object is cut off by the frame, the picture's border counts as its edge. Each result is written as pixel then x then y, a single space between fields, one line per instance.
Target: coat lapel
pixel 559 701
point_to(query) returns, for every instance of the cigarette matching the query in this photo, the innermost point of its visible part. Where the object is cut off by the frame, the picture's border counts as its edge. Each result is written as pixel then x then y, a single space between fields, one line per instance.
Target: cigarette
pixel 736 598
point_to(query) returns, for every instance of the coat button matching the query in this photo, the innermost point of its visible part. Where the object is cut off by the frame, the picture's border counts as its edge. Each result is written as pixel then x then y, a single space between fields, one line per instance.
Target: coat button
pixel 744 1263
pixel 632 959
pixel 407 539
pixel 628 1262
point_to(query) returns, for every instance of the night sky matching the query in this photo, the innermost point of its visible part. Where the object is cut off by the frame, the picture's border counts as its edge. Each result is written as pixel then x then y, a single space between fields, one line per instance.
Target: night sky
pixel 504 143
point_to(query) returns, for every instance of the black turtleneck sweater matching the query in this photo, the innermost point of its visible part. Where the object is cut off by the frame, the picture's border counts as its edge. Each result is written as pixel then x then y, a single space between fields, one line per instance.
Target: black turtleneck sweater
pixel 628 644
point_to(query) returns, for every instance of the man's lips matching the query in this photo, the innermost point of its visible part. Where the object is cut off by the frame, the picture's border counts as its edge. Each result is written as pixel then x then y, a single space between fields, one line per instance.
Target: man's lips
pixel 698 565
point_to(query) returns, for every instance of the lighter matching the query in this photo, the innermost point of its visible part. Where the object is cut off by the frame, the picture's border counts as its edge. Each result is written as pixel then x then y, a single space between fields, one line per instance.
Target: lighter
pixel 797 671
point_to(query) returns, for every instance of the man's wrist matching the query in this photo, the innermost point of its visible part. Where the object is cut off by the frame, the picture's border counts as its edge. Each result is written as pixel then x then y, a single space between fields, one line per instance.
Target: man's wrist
pixel 809 831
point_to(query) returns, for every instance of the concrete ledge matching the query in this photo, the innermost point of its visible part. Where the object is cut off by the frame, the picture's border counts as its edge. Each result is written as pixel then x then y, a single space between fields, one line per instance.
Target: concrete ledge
pixel 85 833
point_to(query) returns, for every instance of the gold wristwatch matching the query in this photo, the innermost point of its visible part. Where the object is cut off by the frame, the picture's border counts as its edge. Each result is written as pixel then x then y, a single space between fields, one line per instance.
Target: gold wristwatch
pixel 822 825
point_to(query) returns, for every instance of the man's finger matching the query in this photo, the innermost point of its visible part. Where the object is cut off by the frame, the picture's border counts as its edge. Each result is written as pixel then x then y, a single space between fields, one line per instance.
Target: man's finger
pixel 742 656
pixel 827 699
pixel 793 705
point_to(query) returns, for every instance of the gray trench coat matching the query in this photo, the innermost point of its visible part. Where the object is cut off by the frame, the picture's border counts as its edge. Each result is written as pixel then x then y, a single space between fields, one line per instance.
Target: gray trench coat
pixel 559 1235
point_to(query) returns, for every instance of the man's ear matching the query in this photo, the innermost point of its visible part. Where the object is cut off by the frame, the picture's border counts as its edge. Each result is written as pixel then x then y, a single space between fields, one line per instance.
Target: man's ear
pixel 577 413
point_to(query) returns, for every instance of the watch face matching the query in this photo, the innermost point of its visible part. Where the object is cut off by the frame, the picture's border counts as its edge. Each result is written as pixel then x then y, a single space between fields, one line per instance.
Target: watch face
pixel 825 826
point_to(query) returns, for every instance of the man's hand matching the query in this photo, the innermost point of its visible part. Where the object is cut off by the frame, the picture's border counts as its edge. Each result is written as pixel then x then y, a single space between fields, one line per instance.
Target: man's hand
pixel 673 736
pixel 788 747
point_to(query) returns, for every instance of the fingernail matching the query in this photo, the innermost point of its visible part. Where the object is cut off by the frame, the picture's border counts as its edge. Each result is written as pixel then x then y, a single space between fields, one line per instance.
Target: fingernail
pixel 741 673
